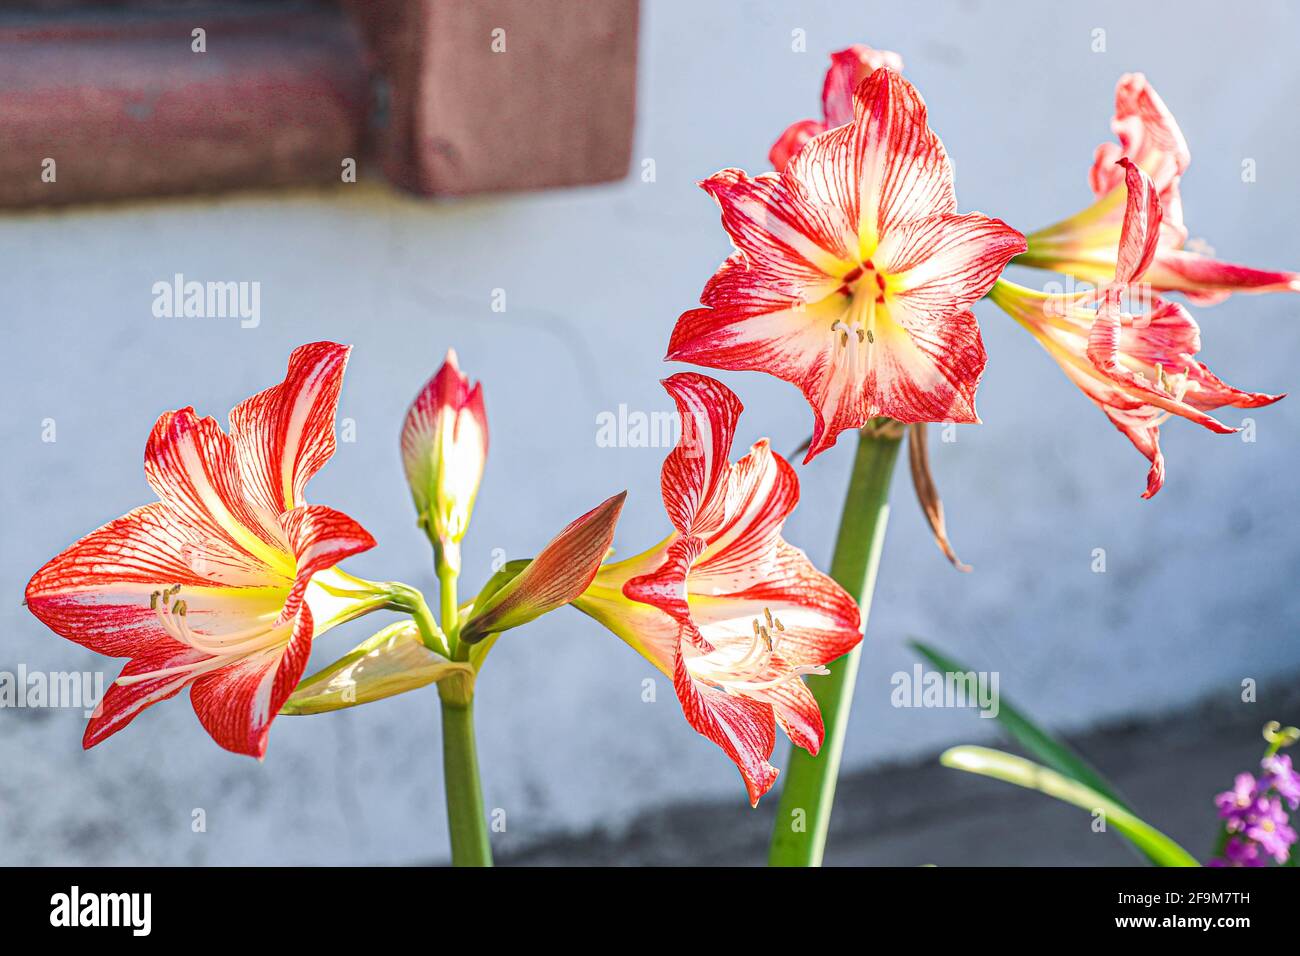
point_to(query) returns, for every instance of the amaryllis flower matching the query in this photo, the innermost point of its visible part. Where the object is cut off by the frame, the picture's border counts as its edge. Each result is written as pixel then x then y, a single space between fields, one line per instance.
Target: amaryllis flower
pixel 208 587
pixel 444 447
pixel 724 606
pixel 853 273
pixel 1139 370
pixel 849 67
pixel 1086 244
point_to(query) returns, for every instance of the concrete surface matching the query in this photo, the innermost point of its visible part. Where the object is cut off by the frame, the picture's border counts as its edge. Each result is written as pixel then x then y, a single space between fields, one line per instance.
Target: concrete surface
pixel 918 812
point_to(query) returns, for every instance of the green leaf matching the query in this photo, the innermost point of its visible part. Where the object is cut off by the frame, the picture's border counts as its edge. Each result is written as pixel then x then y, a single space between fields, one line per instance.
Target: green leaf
pixel 1038 742
pixel 986 762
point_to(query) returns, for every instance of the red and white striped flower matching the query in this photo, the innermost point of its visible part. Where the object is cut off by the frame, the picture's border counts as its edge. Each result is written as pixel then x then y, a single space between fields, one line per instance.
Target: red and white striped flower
pixel 1086 244
pixel 853 273
pixel 724 606
pixel 210 587
pixel 1140 370
pixel 849 67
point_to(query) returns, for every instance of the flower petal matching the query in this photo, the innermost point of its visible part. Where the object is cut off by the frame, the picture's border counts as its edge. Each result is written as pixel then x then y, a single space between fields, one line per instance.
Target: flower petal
pixel 191 465
pixel 237 703
pixel 903 168
pixel 798 714
pixel 762 491
pixel 122 704
pixel 796 241
pixel 792 140
pixel 665 587
pixel 745 729
pixel 695 473
pixel 1103 352
pixel 1148 135
pixel 940 265
pixel 320 538
pixel 97 592
pixel 822 621
pixel 285 434
pixel 849 67
pixel 1206 281
pixel 1140 233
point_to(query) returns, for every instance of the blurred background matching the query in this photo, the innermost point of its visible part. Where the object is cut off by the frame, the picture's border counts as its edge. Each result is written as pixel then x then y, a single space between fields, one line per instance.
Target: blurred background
pixel 561 301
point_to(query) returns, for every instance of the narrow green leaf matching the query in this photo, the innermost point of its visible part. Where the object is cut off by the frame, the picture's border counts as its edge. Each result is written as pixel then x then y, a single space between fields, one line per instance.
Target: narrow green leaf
pixel 1160 849
pixel 1038 742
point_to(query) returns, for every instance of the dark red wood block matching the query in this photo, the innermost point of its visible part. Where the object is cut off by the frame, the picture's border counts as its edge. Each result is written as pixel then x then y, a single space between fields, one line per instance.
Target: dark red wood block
pixel 502 94
pixel 126 108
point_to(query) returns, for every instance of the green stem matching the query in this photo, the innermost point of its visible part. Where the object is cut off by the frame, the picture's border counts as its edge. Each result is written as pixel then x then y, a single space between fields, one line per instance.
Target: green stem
pixel 466 820
pixel 804 813
pixel 403 597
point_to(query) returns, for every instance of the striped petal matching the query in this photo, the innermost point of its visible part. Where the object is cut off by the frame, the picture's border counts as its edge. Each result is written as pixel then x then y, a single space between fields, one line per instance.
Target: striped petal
pixel 903 169
pixel 320 538
pixel 237 703
pixel 1148 135
pixel 762 491
pixel 695 473
pixel 745 729
pixel 285 434
pixel 794 241
pixel 821 620
pixel 97 592
pixel 191 465
pixel 799 715
pixel 849 67
pixel 938 266
pixel 793 140
pixel 1140 230
pixel 1206 281
pixel 174 666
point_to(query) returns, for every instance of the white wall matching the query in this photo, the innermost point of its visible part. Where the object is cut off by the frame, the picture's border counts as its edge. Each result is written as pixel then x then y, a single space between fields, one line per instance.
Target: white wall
pixel 1200 587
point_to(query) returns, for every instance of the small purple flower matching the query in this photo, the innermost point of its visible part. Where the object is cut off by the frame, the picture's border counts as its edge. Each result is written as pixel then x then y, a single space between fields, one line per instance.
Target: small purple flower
pixel 1270 827
pixel 1282 777
pixel 1237 804
pixel 1239 852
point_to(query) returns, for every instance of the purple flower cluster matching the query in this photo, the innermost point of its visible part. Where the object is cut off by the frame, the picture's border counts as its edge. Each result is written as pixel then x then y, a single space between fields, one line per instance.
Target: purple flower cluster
pixel 1255 817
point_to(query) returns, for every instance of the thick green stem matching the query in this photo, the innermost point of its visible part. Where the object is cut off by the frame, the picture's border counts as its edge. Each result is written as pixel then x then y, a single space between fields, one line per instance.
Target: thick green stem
pixel 804 813
pixel 466 820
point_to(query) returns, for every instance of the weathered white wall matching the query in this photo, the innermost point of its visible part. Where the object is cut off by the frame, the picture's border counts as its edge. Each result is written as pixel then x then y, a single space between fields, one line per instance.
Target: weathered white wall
pixel 1200 587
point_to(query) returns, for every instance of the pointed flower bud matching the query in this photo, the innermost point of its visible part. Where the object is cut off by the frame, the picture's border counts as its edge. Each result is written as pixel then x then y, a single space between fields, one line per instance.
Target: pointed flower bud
pixel 392 662
pixel 444 446
pixel 558 575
